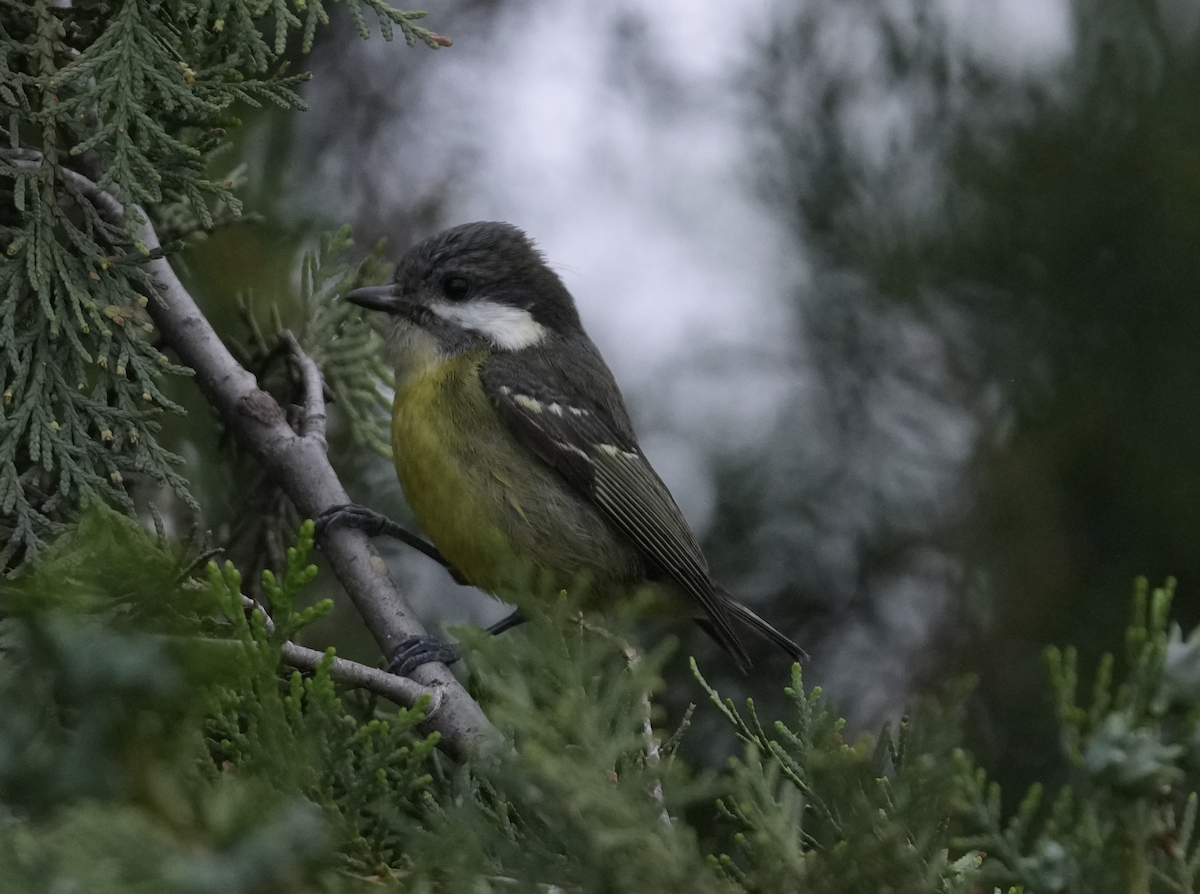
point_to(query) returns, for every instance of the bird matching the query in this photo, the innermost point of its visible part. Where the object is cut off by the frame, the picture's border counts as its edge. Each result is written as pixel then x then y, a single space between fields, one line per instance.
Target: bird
pixel 514 446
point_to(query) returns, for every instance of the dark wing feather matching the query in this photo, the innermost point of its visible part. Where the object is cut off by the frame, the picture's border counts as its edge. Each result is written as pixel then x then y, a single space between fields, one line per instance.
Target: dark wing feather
pixel 590 442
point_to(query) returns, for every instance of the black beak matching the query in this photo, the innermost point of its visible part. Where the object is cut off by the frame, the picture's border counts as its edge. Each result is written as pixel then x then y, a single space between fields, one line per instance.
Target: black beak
pixel 382 298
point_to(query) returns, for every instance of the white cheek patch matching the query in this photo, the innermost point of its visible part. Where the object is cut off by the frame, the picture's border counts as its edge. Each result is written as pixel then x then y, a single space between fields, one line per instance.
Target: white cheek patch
pixel 510 328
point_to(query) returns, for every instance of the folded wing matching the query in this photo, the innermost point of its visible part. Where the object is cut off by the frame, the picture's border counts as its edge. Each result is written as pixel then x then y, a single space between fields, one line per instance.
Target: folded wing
pixel 593 447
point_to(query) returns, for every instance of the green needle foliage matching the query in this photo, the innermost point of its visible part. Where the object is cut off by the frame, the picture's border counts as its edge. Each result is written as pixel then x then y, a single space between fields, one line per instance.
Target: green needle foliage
pixel 814 812
pixel 911 812
pixel 151 740
pixel 132 98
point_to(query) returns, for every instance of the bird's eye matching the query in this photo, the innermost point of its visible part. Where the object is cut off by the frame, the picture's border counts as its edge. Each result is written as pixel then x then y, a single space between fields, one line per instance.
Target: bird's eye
pixel 455 288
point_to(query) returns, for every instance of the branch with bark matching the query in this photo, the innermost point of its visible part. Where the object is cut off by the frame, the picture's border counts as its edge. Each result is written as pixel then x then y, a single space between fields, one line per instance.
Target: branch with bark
pixel 299 465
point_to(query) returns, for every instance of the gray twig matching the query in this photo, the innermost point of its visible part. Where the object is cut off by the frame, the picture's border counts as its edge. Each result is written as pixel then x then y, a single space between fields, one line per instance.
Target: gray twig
pixel 400 690
pixel 312 422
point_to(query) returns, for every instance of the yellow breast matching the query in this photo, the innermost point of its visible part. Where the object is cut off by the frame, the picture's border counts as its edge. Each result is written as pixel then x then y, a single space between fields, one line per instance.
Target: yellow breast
pixel 503 519
pixel 440 422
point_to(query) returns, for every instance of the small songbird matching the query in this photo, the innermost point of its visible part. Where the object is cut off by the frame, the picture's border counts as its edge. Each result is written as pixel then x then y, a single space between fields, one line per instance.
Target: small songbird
pixel 512 440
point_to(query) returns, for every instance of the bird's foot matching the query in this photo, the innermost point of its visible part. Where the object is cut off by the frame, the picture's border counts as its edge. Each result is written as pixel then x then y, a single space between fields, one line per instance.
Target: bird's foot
pixel 355 515
pixel 418 650
pixel 375 524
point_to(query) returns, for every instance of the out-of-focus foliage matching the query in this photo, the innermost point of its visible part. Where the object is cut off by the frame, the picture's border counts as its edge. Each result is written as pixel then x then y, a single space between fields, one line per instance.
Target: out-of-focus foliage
pixel 150 741
pixel 1003 318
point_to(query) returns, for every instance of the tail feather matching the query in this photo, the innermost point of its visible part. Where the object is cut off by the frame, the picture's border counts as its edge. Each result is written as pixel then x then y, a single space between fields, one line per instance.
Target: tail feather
pixel 764 629
pixel 758 625
pixel 740 657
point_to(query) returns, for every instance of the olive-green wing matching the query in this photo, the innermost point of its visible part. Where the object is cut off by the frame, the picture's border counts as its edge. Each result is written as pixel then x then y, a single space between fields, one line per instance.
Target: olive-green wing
pixel 591 444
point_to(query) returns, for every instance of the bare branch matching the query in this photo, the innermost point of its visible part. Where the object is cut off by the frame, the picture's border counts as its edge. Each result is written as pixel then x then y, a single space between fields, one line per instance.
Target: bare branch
pixel 299 465
pixel 399 690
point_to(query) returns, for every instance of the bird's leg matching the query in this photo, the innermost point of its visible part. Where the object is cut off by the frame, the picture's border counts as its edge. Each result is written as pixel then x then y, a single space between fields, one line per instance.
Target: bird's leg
pixel 417 650
pixel 508 622
pixel 375 524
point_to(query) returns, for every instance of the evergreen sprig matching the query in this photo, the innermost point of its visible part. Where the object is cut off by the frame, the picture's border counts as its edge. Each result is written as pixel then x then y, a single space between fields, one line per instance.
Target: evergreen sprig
pixel 365 774
pixel 151 741
pixel 814 812
pixel 108 111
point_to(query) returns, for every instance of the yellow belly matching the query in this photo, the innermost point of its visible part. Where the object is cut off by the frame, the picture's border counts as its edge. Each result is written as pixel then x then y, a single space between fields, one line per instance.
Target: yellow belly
pixel 502 518
pixel 443 495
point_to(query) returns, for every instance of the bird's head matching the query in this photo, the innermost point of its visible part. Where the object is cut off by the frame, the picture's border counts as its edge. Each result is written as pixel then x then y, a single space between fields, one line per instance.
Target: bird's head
pixel 481 283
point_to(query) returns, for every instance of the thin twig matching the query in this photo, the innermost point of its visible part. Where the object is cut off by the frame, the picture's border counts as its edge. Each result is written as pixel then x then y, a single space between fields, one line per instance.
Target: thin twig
pixel 653 749
pixel 400 690
pixel 653 746
pixel 312 422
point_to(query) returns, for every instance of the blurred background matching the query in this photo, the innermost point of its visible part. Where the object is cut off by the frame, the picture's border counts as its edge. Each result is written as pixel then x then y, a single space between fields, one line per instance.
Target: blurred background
pixel 902 296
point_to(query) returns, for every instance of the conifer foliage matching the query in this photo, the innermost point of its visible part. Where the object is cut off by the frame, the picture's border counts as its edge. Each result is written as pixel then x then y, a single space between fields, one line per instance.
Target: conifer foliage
pixel 105 103
pixel 151 741
pixel 151 738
